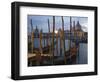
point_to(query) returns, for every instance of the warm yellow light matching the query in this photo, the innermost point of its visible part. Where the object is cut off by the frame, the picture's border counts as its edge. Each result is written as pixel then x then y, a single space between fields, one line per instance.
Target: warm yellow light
pixel 56 31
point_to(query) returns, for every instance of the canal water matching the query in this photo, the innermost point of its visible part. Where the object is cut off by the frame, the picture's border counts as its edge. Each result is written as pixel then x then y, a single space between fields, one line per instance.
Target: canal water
pixel 82 54
pixel 82 57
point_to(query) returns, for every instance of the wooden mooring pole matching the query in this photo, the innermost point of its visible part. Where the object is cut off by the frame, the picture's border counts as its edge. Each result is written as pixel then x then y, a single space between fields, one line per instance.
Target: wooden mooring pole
pixel 32 37
pixel 53 39
pixel 49 42
pixel 40 36
pixel 63 37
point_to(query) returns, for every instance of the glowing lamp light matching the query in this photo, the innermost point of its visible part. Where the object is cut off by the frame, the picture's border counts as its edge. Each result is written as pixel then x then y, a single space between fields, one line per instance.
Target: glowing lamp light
pixel 56 31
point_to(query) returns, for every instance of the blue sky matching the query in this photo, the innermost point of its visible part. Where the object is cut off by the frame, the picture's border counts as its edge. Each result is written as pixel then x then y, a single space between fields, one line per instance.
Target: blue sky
pixel 41 21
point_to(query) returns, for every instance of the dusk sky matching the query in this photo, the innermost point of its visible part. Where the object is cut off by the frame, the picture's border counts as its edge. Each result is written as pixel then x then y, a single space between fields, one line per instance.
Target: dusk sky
pixel 42 22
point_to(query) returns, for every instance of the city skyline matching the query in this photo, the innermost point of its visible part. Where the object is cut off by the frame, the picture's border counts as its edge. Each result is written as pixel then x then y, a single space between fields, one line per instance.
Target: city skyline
pixel 41 22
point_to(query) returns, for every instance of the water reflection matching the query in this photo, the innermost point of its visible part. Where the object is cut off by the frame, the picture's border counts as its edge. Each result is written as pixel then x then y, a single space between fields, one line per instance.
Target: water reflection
pixel 81 57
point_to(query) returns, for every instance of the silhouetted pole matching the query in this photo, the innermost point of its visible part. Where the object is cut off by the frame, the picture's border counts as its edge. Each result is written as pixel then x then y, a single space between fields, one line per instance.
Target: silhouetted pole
pixel 44 41
pixel 74 31
pixel 32 37
pixel 63 37
pixel 48 35
pixel 49 42
pixel 70 36
pixel 57 43
pixel 70 30
pixel 32 41
pixel 60 33
pixel 53 39
pixel 40 36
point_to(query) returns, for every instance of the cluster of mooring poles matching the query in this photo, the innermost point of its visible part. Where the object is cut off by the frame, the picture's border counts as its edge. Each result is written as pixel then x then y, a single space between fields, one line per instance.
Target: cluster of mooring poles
pixel 50 41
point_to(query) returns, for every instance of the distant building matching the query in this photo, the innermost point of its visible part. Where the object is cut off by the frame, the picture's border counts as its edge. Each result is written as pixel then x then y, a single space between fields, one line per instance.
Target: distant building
pixel 36 32
pixel 76 31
